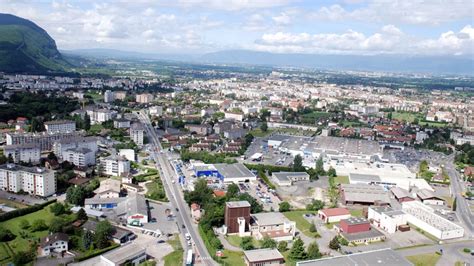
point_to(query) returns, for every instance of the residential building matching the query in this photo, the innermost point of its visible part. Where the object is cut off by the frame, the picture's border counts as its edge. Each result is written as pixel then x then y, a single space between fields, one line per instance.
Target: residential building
pixel 109 96
pixel 29 152
pixel 262 257
pixel 60 146
pixel 120 95
pixel 33 180
pixel 109 188
pixel 234 116
pixel 144 98
pixel 60 126
pixel 44 140
pixel 272 224
pixel 333 215
pixel 54 243
pixel 237 216
pixel 129 154
pixel 99 116
pixel 202 130
pixel 114 165
pixel 156 110
pixel 137 132
pixel 121 123
pixel 81 157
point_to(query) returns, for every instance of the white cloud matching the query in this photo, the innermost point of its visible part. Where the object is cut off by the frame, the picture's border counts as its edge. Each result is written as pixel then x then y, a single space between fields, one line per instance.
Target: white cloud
pixel 231 5
pixel 390 40
pixel 282 20
pixel 255 22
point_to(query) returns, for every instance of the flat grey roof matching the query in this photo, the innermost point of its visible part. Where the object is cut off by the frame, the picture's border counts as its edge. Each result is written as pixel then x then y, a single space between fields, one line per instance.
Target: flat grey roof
pixel 284 176
pixel 133 205
pixel 363 177
pixel 59 122
pixel 368 258
pixel 124 253
pixel 269 218
pixel 364 193
pixel 97 200
pixel 235 170
pixel 16 167
pixel 237 204
pixel 267 254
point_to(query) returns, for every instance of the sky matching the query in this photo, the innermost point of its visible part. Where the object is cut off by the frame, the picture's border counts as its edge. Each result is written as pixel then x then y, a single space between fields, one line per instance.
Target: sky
pixel 360 27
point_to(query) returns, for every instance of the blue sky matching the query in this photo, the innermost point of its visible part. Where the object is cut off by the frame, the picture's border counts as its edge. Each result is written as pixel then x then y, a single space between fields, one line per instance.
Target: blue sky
pixel 412 27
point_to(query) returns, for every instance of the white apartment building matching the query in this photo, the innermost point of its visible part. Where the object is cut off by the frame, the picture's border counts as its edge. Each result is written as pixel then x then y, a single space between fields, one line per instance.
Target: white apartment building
pixel 137 132
pixel 81 157
pixel 101 115
pixel 156 110
pixel 33 180
pixel 29 152
pixel 60 146
pixel 60 126
pixel 109 96
pixel 44 140
pixel 114 165
pixel 144 98
pixel 234 116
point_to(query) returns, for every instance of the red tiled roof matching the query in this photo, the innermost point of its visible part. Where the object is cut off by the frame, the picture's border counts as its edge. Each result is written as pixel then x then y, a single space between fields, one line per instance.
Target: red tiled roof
pixel 335 212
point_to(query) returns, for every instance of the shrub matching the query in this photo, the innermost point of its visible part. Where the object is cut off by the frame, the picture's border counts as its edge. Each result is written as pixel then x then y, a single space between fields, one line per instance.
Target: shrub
pixel 24 211
pixel 38 225
pixel 6 235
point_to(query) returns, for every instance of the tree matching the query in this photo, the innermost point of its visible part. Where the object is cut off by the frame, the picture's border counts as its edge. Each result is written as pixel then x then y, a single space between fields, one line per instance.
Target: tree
pixel 267 242
pixel 312 228
pixel 87 122
pixel 282 246
pixel 389 116
pixel 247 243
pixel 81 215
pixel 52 156
pixel 76 195
pixel 313 251
pixel 264 127
pixel 38 225
pixel 57 209
pixel 6 235
pixel 320 167
pixel 24 224
pixel 103 232
pixel 56 225
pixel 284 206
pixel 343 241
pixel 315 205
pixel 297 251
pixel 334 243
pixel 332 172
pixel 298 164
pixel 23 257
pixel 87 239
pixel 232 191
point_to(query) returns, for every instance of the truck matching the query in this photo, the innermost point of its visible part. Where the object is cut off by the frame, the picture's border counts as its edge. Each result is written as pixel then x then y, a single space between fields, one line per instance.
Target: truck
pixel 189 258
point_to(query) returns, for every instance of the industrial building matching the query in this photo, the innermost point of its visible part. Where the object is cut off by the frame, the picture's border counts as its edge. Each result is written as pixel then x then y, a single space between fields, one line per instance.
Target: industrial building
pixel 386 218
pixel 373 257
pixel 401 195
pixel 363 194
pixel 261 257
pixel 272 224
pixel 237 216
pixel 287 178
pixel 428 197
pixel 358 230
pixel 33 180
pixel 227 173
pixel 334 215
pixel 424 217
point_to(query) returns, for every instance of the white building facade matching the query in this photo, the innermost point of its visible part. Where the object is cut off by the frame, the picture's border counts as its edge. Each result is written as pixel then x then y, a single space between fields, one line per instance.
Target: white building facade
pixel 33 180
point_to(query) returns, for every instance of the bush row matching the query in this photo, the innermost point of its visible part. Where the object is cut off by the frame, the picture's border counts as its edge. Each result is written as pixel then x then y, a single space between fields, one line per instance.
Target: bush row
pixel 24 211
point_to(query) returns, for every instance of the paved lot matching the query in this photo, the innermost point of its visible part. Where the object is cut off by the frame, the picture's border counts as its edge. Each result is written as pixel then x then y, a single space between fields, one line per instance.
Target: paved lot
pixel 303 192
pixel 165 225
pixel 262 189
pixel 270 156
pixel 24 199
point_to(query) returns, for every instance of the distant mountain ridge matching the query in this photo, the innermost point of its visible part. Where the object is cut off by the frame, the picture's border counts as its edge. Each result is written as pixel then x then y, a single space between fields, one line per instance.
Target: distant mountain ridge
pixel 27 48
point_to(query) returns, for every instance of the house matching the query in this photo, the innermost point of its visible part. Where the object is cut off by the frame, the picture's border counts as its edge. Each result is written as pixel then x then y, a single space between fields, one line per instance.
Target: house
pixel 130 187
pixel 54 243
pixel 119 234
pixel 469 171
pixel 196 212
pixel 333 215
pixel 109 188
pixel 272 224
pixel 261 257
pixel 427 197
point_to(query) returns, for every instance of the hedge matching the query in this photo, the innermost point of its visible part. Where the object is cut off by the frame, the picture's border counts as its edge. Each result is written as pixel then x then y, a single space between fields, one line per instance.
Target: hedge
pixel 96 253
pixel 20 212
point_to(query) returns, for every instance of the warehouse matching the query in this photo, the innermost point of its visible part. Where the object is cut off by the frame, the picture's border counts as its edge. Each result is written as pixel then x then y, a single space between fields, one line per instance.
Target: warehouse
pixel 372 257
pixel 424 217
pixel 227 173
pixel 333 215
pixel 386 218
pixel 401 194
pixel 363 194
pixel 287 178
pixel 428 197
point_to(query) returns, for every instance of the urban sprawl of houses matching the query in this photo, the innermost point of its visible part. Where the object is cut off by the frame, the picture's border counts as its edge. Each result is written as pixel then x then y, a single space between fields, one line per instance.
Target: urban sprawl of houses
pixel 256 170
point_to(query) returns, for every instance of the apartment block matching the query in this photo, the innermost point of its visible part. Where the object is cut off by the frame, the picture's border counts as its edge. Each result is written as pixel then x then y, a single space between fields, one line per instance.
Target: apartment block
pixel 60 126
pixel 33 180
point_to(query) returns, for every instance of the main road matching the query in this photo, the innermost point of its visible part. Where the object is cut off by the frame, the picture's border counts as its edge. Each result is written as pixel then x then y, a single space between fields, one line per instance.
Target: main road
pixel 173 192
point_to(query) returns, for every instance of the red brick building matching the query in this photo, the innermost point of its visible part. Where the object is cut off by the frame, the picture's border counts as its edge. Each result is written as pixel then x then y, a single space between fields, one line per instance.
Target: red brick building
pixel 234 210
pixel 354 225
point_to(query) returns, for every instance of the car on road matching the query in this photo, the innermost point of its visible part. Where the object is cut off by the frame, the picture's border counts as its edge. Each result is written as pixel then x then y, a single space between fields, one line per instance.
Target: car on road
pixel 183 226
pixel 160 241
pixel 153 220
pixel 187 236
pixel 189 243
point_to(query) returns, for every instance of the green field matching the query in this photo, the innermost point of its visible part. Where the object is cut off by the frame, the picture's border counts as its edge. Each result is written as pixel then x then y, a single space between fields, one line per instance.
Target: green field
pixel 428 259
pixel 12 204
pixel 341 180
pixel 356 213
pixel 301 223
pixel 19 243
pixel 310 118
pixel 259 133
pixel 232 258
pixel 433 124
pixel 235 241
pixel 175 257
pixel 405 116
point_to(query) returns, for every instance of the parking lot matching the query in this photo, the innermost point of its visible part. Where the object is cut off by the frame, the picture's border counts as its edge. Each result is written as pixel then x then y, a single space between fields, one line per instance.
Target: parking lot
pixel 265 196
pixel 270 156
pixel 412 158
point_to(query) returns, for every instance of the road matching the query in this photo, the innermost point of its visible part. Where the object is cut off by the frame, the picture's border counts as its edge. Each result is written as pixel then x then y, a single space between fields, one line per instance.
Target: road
pixel 451 252
pixel 173 193
pixel 462 207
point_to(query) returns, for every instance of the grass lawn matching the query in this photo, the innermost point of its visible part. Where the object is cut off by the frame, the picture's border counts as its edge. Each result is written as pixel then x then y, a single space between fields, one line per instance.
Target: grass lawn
pixel 330 225
pixel 341 180
pixel 409 117
pixel 12 204
pixel 301 223
pixel 156 191
pixel 175 257
pixel 235 241
pixel 19 243
pixel 232 258
pixel 96 128
pixel 433 124
pixel 259 133
pixel 356 212
pixel 428 259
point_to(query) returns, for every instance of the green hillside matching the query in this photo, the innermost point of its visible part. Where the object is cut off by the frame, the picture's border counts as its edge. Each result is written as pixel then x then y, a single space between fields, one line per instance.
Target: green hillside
pixel 25 47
